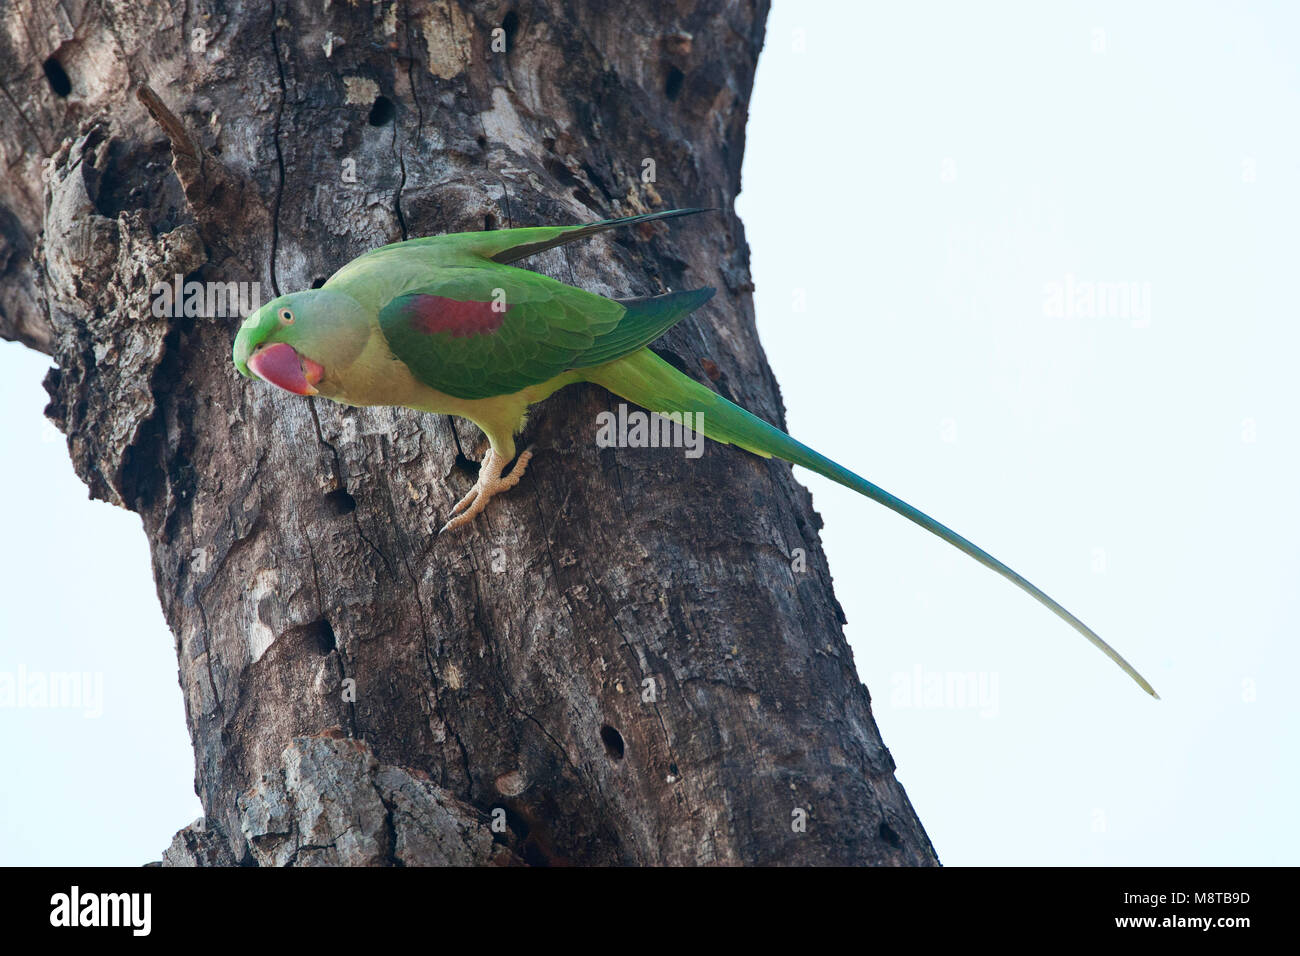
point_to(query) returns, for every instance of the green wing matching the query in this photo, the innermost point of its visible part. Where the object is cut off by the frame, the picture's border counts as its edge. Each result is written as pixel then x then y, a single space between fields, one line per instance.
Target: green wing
pixel 508 245
pixel 480 332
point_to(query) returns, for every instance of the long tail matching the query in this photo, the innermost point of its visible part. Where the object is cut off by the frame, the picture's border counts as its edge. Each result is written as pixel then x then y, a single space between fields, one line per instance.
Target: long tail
pixel 509 245
pixel 652 383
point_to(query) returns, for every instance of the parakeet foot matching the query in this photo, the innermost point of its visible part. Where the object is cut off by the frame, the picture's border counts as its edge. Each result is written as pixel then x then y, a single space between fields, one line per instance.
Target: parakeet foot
pixel 490 482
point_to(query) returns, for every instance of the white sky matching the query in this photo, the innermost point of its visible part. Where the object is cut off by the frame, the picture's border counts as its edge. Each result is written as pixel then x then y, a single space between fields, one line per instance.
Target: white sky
pixel 923 173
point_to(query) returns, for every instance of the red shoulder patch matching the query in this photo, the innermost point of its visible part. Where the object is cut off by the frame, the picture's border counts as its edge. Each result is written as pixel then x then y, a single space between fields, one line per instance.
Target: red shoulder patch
pixel 434 314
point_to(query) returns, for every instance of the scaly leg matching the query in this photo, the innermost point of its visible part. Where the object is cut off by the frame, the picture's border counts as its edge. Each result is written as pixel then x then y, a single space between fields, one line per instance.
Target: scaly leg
pixel 490 482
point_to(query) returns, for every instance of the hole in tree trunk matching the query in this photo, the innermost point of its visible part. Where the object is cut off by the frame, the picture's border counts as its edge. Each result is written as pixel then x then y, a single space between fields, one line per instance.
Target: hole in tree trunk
pixel 673 85
pixel 888 835
pixel 613 742
pixel 382 112
pixel 321 636
pixel 510 24
pixel 57 77
pixel 340 502
pixel 673 359
pixel 467 465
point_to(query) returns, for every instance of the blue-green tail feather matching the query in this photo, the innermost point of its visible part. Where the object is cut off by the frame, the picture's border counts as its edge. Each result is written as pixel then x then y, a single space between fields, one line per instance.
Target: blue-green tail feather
pixel 652 383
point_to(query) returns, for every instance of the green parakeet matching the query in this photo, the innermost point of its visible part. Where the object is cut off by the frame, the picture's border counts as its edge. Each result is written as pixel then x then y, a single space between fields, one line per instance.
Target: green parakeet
pixel 447 325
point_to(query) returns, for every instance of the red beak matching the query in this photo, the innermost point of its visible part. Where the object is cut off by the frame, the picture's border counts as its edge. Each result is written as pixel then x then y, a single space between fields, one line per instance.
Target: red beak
pixel 280 365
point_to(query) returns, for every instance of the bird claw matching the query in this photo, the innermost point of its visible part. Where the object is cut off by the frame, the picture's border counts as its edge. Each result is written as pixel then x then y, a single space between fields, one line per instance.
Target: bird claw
pixel 465 502
pixel 490 483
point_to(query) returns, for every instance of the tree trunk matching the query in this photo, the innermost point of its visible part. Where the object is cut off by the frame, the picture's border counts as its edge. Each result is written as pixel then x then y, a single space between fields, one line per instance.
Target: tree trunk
pixel 633 657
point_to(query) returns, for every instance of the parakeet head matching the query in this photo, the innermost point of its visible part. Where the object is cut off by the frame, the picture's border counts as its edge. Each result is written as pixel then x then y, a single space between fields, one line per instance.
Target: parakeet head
pixel 298 340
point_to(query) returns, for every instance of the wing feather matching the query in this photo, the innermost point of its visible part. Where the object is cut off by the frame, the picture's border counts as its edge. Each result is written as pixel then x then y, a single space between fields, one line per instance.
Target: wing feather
pixel 453 335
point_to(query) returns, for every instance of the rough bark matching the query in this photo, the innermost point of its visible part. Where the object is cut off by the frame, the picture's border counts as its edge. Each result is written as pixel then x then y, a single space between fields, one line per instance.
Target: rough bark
pixel 625 660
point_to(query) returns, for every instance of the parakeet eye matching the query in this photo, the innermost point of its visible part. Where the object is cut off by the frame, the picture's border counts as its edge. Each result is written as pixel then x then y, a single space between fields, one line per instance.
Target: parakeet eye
pixel 286 316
